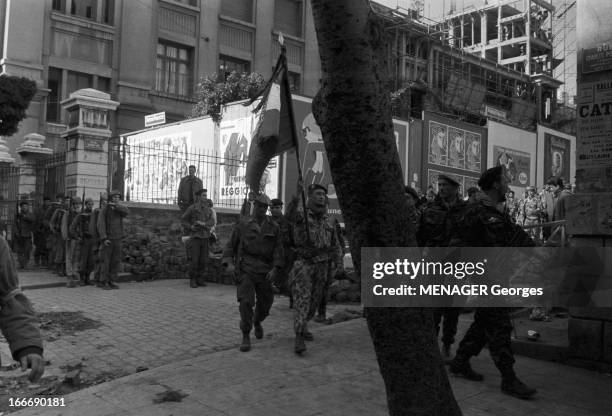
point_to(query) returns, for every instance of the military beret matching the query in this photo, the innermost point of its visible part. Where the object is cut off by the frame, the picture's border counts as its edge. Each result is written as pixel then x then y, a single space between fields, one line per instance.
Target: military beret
pixel 201 191
pixel 315 186
pixel 262 199
pixel 448 179
pixel 113 193
pixel 276 202
pixel 489 177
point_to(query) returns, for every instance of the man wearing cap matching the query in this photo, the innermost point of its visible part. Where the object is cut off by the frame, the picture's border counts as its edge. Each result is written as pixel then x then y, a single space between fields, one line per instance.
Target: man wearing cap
pixel 188 187
pixel 317 255
pixel 435 219
pixel 199 220
pixel 72 245
pixel 110 229
pixel 255 254
pixel 79 230
pixel 484 225
pixel 532 212
pixel 286 229
pixel 95 240
pixel 23 236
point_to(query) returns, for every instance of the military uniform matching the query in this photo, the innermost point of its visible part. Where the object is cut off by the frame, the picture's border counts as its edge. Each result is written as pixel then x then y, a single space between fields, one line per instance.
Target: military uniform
pixel 110 229
pixel 55 223
pixel 41 232
pixel 79 230
pixel 286 230
pixel 255 249
pixel 435 219
pixel 312 267
pixel 192 219
pixel 72 245
pixel 23 237
pixel 95 243
pixel 482 225
pixel 532 213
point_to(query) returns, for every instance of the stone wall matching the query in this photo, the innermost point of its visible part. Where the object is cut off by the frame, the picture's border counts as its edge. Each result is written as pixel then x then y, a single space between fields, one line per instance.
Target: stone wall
pixel 153 248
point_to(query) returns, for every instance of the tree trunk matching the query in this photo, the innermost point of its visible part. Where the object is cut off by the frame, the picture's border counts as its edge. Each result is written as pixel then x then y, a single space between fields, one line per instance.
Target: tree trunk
pixel 354 112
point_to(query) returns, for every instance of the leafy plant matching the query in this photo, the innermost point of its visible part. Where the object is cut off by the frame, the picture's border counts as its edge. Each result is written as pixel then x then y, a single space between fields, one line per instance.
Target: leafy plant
pixel 15 96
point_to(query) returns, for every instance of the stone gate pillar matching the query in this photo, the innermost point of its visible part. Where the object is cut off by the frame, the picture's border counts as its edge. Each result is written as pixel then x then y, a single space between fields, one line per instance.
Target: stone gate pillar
pixel 30 151
pixel 87 139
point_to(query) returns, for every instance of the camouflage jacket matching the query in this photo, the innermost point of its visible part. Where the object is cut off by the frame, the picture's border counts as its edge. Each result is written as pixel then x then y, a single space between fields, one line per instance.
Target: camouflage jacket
pixel 482 225
pixel 323 244
pixel 255 248
pixel 532 208
pixel 434 222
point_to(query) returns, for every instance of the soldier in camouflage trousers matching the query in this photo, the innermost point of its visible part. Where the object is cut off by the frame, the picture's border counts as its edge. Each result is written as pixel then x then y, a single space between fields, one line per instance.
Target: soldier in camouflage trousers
pixel 483 225
pixel 434 222
pixel 317 256
pixel 532 212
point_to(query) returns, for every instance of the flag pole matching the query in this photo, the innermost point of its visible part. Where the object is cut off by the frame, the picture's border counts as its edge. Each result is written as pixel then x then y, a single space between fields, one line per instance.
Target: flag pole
pixel 293 132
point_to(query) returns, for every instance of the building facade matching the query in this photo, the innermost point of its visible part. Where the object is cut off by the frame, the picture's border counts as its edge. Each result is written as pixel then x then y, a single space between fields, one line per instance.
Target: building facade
pixel 148 54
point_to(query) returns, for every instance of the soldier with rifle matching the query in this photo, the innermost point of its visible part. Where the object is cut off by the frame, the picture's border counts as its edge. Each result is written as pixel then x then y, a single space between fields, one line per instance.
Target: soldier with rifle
pixel 55 224
pixel 110 229
pixel 22 238
pixel 79 230
pixel 95 240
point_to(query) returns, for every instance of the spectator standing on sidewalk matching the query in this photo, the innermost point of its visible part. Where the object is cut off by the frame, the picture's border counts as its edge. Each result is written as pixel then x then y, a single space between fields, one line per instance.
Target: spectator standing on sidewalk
pixel 188 187
pixel 314 252
pixel 199 220
pixel 483 225
pixel 110 229
pixel 25 223
pixel 18 321
pixel 434 226
pixel 254 254
pixel 79 229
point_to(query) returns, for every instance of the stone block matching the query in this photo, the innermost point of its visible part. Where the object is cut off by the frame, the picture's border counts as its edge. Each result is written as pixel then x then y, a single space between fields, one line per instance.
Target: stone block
pixel 607 342
pixel 585 338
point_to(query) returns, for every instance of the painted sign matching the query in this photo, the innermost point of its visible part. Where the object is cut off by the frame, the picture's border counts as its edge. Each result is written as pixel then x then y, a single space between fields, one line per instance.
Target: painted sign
pixel 155 119
pixel 517 164
pixel 597 59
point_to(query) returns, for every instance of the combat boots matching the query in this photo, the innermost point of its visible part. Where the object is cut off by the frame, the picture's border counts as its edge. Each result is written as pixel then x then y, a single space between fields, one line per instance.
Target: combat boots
pixel 300 345
pixel 258 330
pixel 246 342
pixel 462 367
pixel 515 387
pixel 307 335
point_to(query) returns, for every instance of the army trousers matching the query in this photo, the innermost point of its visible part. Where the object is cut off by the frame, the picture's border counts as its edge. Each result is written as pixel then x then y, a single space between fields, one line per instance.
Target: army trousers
pixel 60 249
pixel 111 259
pixel 86 256
pixel 198 256
pixel 73 250
pixel 307 281
pixel 449 328
pixel 253 290
pixel 23 247
pixel 491 326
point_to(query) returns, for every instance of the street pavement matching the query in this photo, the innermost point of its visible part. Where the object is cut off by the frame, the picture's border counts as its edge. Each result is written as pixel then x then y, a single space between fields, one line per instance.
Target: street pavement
pixel 188 338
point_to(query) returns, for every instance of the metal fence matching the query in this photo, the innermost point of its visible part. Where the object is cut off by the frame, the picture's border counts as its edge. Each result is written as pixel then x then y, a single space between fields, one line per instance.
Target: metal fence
pixel 151 172
pixel 9 198
pixel 50 176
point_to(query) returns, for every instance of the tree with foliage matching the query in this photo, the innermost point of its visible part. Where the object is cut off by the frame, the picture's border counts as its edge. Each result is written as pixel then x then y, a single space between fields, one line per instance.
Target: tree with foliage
pixel 213 92
pixel 15 96
pixel 353 109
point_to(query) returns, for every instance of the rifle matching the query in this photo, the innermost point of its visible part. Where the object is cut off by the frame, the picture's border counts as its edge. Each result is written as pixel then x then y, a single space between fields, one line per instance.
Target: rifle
pixel 83 201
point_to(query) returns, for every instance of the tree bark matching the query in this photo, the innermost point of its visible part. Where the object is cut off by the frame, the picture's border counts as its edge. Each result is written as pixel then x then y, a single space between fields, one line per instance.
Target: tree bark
pixel 354 112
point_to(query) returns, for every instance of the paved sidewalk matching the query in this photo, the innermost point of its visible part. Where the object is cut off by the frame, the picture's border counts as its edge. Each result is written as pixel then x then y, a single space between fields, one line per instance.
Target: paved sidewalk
pixel 338 376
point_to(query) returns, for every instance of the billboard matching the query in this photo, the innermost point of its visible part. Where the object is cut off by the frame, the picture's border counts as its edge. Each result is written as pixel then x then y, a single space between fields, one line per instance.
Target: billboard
pixel 557 151
pixel 517 164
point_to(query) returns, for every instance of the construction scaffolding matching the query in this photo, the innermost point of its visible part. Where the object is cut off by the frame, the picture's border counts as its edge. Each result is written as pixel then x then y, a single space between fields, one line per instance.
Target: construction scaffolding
pixel 564 48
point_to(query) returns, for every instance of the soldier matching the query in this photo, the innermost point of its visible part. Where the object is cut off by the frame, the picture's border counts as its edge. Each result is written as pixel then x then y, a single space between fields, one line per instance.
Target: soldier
pixel 18 321
pixel 321 316
pixel 532 212
pixel 286 229
pixel 58 240
pixel 198 218
pixel 434 224
pixel 25 222
pixel 255 254
pixel 72 245
pixel 483 225
pixel 512 206
pixel 95 240
pixel 110 229
pixel 312 266
pixel 51 238
pixel 188 187
pixel 41 252
pixel 79 230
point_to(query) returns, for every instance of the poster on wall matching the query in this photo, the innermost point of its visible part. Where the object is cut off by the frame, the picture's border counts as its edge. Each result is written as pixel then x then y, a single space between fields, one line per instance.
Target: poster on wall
pixel 517 164
pixel 591 214
pixel 155 166
pixel 472 151
pixel 557 157
pixel 465 182
pixel 454 147
pixel 234 142
pixel 438 144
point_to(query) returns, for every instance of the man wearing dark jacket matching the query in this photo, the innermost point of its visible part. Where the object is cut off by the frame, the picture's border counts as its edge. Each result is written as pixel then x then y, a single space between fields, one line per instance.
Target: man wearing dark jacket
pixel 198 219
pixel 18 322
pixel 110 229
pixel 23 236
pixel 188 187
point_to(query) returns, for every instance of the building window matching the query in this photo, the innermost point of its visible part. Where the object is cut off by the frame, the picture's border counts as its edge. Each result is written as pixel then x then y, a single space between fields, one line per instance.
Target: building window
pixel 238 9
pixel 101 11
pixel 78 81
pixel 193 3
pixel 295 85
pixel 227 64
pixel 288 17
pixel 59 5
pixel 104 84
pixel 84 8
pixel 173 69
pixel 54 83
pixel 108 12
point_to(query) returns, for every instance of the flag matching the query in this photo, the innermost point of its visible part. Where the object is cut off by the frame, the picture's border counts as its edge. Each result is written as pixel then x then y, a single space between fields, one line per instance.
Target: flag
pixel 274 132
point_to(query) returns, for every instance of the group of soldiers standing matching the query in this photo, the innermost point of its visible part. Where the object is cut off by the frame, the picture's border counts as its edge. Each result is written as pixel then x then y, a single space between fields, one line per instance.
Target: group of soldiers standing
pixel 73 238
pixel 448 221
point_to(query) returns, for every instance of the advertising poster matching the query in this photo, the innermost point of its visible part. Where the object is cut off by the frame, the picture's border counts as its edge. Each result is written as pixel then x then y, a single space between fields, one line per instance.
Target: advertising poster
pixel 557 157
pixel 234 142
pixel 465 182
pixel 517 164
pixel 472 152
pixel 590 214
pixel 438 144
